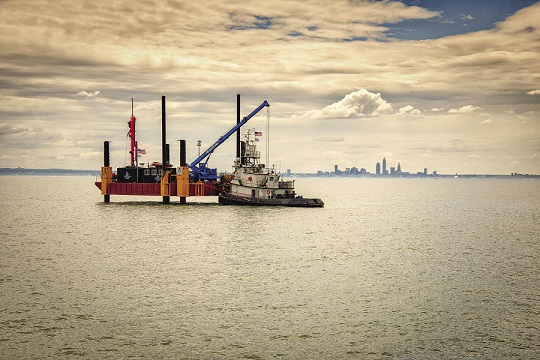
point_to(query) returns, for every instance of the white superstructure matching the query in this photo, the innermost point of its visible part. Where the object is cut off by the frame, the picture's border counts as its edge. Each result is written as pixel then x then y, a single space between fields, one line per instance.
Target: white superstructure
pixel 252 179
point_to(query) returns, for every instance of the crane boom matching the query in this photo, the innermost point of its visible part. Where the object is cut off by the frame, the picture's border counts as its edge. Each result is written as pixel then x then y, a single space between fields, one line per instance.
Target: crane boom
pixel 198 168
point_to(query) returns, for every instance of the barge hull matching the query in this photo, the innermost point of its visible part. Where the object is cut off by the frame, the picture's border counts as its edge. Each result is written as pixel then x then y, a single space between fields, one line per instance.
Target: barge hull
pixel 228 199
pixel 153 189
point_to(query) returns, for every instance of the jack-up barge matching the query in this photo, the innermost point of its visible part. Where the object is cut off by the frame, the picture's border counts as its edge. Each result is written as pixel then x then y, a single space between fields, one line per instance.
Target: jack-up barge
pixel 251 183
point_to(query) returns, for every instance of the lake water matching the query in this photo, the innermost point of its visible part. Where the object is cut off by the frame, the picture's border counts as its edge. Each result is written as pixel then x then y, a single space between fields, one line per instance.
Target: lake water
pixel 389 268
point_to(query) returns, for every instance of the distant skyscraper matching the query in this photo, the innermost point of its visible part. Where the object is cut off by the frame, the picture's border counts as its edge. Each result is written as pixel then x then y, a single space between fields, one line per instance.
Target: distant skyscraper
pixel 378 168
pixel 384 171
pixel 336 170
pixel 398 167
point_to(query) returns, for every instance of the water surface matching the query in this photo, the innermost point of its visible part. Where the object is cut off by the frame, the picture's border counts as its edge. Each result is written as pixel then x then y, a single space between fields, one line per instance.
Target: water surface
pixel 410 268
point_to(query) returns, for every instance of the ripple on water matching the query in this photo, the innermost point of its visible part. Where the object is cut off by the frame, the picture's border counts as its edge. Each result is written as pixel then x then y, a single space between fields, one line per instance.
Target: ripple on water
pixel 413 269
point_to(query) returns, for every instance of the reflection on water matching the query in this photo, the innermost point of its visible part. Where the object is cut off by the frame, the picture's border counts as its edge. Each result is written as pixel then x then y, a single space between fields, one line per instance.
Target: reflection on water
pixel 388 268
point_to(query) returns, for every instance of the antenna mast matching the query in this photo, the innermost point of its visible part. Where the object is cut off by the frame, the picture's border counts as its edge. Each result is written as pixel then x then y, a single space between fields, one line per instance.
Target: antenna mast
pixel 131 133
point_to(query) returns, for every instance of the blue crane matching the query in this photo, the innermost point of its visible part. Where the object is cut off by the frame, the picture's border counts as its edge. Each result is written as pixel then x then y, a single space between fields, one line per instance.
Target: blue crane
pixel 198 167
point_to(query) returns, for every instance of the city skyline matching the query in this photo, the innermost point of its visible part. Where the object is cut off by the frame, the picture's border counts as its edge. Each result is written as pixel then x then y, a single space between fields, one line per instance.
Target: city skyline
pixel 381 170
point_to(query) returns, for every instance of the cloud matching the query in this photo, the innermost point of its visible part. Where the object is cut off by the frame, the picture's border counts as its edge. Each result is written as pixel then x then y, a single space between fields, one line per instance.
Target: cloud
pixel 87 94
pixel 232 47
pixel 488 121
pixel 331 139
pixel 451 146
pixel 212 24
pixel 464 109
pixel 534 92
pixel 6 129
pixel 361 103
pixel 467 17
pixel 27 138
pixel 409 109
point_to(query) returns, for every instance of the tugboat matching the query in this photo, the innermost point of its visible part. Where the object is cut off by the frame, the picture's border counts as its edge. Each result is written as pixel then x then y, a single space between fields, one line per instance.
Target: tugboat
pixel 251 183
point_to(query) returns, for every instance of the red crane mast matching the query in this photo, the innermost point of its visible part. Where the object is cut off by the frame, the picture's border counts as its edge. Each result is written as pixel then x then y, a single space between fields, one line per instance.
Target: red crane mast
pixel 133 152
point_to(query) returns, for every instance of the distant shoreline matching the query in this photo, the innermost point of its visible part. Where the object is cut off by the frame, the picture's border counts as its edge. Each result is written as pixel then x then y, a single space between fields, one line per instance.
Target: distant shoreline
pixel 71 172
pixel 48 172
pixel 419 176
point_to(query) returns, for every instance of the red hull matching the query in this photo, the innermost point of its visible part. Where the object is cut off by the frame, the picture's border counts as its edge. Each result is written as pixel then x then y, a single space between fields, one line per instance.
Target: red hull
pixel 152 189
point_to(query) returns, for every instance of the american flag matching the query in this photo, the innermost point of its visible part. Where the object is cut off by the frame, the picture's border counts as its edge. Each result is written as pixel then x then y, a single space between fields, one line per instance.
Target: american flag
pixel 141 151
pixel 258 133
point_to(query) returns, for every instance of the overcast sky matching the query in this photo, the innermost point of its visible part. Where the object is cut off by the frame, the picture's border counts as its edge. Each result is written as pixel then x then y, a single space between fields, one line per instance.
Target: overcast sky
pixel 452 86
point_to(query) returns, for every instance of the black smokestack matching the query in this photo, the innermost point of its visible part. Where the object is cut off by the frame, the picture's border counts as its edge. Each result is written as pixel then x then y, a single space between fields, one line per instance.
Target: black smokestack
pixel 183 153
pixel 164 145
pixel 106 156
pixel 163 133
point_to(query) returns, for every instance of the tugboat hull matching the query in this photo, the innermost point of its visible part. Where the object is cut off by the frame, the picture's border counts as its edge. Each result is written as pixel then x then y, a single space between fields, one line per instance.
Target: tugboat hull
pixel 228 199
